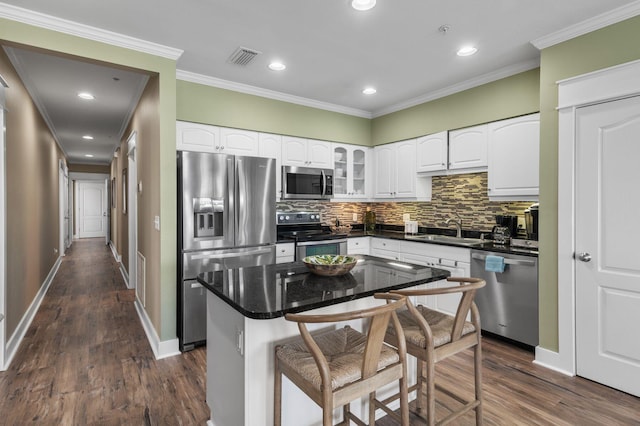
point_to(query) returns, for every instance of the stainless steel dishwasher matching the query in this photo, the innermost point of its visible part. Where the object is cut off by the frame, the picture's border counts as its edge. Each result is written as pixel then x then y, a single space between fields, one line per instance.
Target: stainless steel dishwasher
pixel 508 304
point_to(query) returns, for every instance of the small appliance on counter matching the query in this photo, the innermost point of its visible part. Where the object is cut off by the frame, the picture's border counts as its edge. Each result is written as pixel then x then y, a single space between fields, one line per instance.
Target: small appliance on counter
pixel 531 225
pixel 531 221
pixel 509 222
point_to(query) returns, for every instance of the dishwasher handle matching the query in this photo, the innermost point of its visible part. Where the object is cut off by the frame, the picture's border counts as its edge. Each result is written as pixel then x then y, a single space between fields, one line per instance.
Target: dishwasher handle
pixel 507 261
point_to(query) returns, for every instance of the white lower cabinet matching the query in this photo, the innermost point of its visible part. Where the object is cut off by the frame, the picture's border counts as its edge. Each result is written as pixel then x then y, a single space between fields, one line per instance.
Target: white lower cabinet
pixel 285 252
pixel 359 245
pixel 456 260
pixel 386 248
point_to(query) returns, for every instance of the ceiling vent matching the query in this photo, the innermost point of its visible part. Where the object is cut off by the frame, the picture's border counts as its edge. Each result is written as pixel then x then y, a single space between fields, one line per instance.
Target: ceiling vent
pixel 243 56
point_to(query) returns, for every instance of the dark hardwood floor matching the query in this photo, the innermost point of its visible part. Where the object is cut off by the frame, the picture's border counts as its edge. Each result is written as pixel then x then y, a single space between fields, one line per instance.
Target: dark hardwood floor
pixel 85 360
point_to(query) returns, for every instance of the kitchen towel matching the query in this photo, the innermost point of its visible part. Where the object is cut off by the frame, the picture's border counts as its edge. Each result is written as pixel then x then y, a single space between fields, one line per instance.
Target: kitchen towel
pixel 494 264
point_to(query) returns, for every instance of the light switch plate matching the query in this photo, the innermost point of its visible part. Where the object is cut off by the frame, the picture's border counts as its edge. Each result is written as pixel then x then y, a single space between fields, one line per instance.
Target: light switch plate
pixel 156 223
pixel 355 217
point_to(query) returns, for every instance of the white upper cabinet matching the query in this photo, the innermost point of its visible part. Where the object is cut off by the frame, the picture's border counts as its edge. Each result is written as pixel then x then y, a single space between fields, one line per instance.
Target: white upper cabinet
pixel 197 137
pixel 385 169
pixel 468 149
pixel 270 146
pixel 238 142
pixel 306 153
pixel 395 172
pixel 432 152
pixel 405 169
pixel 514 158
pixel 208 138
pixel 351 173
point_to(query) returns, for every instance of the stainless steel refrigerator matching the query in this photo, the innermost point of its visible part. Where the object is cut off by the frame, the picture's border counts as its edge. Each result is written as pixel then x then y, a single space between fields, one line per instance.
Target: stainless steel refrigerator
pixel 226 215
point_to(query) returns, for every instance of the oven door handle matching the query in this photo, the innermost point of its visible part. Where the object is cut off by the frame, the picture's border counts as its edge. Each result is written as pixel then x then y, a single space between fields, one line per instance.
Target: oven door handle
pixel 321 242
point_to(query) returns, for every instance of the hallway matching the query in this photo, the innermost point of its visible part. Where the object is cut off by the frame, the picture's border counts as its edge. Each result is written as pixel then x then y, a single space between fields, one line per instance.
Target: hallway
pixel 85 359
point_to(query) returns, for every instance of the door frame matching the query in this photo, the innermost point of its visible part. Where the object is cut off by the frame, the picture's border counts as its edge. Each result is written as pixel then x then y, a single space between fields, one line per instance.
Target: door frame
pixel 63 203
pixel 132 209
pixel 3 226
pixel 604 85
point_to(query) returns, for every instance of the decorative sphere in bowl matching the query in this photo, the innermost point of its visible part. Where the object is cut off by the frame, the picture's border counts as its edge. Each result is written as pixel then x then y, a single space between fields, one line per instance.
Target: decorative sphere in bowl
pixel 329 265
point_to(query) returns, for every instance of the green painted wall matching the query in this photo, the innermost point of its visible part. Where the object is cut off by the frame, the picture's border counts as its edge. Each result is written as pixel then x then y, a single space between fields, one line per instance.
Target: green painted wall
pixel 27 35
pixel 509 97
pixel 607 47
pixel 210 105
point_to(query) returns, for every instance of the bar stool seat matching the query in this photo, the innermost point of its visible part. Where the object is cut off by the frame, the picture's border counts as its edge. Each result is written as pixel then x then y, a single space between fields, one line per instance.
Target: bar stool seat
pixel 441 325
pixel 344 351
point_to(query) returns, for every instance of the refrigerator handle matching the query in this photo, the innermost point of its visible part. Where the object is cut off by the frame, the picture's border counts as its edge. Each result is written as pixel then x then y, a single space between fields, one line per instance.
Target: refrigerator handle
pixel 210 255
pixel 324 183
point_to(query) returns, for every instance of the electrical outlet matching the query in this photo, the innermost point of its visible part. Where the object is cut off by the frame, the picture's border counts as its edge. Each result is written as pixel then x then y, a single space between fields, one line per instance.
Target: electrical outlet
pixel 156 223
pixel 406 217
pixel 355 217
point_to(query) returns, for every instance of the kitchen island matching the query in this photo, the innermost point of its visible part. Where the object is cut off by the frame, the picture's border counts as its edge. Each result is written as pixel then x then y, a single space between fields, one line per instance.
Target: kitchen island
pixel 245 309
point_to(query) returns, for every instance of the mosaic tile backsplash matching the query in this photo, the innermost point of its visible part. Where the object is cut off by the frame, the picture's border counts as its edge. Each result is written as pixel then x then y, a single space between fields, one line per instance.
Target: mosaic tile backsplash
pixel 465 194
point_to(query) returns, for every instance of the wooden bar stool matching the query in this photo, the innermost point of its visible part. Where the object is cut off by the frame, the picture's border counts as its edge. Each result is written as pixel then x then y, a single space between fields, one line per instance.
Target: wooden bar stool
pixel 432 336
pixel 336 367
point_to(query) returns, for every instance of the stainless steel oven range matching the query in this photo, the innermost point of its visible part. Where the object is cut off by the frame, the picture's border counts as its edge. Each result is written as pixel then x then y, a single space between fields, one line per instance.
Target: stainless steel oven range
pixel 310 236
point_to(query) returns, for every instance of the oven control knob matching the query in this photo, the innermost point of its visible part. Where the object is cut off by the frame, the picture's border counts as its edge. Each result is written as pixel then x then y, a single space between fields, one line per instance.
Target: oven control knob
pixel 286 217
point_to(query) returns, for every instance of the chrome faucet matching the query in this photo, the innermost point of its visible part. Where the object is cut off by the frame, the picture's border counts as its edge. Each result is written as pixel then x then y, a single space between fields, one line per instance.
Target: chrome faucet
pixel 458 224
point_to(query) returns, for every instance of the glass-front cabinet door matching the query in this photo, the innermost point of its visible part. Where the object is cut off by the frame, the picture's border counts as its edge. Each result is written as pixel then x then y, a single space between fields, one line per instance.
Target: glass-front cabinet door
pixel 350 170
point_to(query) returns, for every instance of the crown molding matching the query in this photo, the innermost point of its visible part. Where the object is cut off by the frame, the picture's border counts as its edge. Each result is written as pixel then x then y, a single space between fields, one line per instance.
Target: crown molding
pixel 85 31
pixel 465 85
pixel 266 93
pixel 608 18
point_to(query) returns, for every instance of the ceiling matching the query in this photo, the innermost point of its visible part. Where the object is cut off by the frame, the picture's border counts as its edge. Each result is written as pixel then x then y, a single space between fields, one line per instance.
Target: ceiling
pixel 332 51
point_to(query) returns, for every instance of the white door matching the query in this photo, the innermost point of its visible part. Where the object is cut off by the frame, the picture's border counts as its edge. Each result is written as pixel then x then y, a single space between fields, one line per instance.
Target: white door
pixel 607 249
pixel 91 209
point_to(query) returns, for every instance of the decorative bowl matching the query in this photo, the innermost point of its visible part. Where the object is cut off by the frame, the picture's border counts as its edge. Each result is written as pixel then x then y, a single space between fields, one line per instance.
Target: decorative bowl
pixel 340 229
pixel 329 265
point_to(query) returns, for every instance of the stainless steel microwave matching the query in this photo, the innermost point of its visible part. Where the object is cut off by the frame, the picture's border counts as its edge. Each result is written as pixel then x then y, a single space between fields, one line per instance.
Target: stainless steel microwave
pixel 306 183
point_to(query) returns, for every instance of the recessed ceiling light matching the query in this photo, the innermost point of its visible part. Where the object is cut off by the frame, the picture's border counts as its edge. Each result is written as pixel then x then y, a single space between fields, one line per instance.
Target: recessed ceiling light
pixel 369 91
pixel 277 66
pixel 362 5
pixel 89 155
pixel 88 137
pixel 86 95
pixel 467 51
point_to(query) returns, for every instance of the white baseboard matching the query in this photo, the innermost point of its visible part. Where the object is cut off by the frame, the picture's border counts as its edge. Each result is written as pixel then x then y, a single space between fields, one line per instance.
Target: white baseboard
pixel 125 275
pixel 116 256
pixel 551 360
pixel 14 341
pixel 161 349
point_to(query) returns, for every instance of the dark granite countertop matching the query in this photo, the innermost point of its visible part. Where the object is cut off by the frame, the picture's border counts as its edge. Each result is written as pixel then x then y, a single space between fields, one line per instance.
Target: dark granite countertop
pixel 270 291
pixel 488 245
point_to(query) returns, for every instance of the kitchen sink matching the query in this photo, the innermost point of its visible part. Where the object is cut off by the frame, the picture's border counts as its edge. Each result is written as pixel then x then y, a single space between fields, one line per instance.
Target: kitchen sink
pixel 470 242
